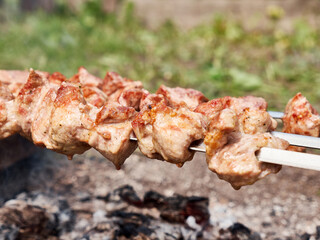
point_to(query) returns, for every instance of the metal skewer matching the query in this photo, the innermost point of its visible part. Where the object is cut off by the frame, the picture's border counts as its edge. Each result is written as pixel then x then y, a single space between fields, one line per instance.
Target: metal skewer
pixel 283 157
pixel 299 140
pixel 276 115
pixel 293 139
pixel 289 158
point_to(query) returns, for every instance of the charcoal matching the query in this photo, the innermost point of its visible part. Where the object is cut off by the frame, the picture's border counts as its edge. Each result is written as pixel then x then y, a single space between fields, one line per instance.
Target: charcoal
pixel 31 220
pixel 136 218
pixel 175 209
pixel 121 215
pixel 238 231
pixel 125 193
pixel 83 197
pixel 239 228
pixel 153 199
pixel 8 232
pixel 178 208
pixel 305 236
pixel 317 233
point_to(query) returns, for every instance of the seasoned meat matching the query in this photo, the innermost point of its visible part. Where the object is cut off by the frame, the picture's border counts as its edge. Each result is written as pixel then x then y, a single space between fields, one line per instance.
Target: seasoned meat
pixel 90 87
pixel 8 124
pixel 87 79
pixel 15 79
pixel 237 162
pixel 301 118
pixel 123 90
pixel 251 112
pixel 148 100
pixel 237 129
pixel 185 97
pixel 54 113
pixel 166 133
pixel 5 93
pixel 132 97
pixel 112 131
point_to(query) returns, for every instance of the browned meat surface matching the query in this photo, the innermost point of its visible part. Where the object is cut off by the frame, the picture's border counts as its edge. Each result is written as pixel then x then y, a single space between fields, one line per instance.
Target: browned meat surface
pixel 301 118
pixel 87 79
pixel 237 162
pixel 7 123
pixel 251 112
pixel 148 100
pixel 113 88
pixel 186 97
pixel 122 90
pixel 54 113
pixel 91 87
pixel 5 93
pixel 132 97
pixel 237 129
pixel 111 132
pixel 166 133
pixel 15 79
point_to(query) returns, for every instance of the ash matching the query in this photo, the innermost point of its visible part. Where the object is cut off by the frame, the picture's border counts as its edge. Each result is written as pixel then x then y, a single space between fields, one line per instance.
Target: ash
pixel 47 197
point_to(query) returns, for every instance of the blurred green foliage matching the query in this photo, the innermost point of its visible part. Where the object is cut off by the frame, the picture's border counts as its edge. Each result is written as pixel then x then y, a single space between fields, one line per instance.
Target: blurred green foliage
pixel 218 58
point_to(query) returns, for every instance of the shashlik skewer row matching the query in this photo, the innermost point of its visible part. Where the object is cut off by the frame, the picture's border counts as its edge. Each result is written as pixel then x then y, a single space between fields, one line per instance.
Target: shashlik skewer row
pixel 293 140
pixel 283 157
pixel 276 156
pixel 57 113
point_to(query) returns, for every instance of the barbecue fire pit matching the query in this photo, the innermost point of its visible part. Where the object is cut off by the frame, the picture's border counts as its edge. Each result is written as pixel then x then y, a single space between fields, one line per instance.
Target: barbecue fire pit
pixel 49 197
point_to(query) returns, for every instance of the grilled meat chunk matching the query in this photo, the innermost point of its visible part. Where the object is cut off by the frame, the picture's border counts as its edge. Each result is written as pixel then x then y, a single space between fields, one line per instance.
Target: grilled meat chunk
pixel 111 132
pixel 132 97
pixel 166 133
pixel 251 112
pixel 14 80
pixel 237 129
pixel 87 79
pixel 122 90
pixel 91 87
pixel 148 100
pixel 8 124
pixel 237 163
pixel 53 113
pixel 301 118
pixel 185 97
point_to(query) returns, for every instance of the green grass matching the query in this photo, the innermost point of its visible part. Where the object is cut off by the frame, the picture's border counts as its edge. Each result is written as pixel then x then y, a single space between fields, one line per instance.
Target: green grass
pixel 218 58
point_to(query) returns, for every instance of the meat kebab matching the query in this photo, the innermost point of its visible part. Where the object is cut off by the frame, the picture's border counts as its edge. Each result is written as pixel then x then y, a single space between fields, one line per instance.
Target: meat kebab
pixel 70 116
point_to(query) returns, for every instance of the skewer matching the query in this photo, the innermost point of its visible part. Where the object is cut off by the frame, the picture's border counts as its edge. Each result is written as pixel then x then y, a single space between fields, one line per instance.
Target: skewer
pixel 289 158
pixel 299 140
pixel 276 115
pixel 283 157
